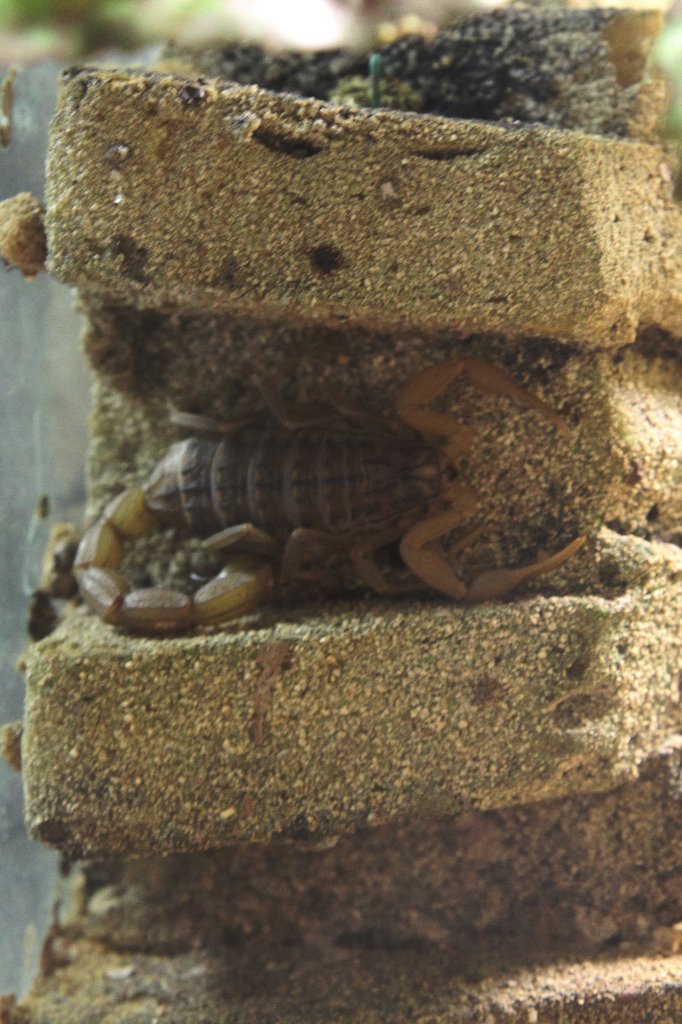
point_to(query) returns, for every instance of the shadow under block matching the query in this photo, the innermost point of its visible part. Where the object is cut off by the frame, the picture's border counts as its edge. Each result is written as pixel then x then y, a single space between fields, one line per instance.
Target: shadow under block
pixel 619 466
pixel 257 203
pixel 351 713
pixel 560 912
pixel 103 984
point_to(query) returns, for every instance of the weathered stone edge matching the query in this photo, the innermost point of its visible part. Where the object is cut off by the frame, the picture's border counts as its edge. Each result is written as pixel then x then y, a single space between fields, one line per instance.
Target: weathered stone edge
pixel 309 727
pixel 268 139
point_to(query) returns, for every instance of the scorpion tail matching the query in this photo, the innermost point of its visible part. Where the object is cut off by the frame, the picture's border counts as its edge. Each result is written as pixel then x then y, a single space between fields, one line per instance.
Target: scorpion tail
pixel 240 587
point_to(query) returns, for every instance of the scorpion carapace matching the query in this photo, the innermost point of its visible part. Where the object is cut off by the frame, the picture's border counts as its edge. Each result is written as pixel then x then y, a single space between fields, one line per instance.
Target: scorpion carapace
pixel 292 490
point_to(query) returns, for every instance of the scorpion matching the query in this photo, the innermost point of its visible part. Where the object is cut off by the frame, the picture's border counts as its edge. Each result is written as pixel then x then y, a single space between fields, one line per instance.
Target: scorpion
pixel 308 481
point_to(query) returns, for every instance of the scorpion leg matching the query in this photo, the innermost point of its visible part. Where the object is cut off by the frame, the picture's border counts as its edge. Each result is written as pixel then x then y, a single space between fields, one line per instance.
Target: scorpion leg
pixel 421 552
pixel 244 537
pixel 197 423
pixel 363 555
pixel 296 416
pixel 331 408
pixel 240 587
pixel 432 381
pixel 370 572
pixel 373 575
pixel 305 546
pixel 363 418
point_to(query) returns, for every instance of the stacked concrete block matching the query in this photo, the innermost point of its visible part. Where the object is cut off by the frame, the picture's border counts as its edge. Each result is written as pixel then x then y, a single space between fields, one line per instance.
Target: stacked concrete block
pixel 430 810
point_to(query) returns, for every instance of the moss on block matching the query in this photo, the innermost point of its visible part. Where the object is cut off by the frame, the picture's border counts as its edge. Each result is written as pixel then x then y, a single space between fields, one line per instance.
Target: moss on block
pixel 310 720
pixel 163 191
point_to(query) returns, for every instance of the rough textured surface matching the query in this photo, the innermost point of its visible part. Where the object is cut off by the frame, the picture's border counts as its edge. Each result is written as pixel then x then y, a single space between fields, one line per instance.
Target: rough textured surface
pixel 22 234
pixel 299 723
pixel 201 987
pixel 256 203
pixel 559 873
pixel 10 743
pixel 528 914
pixel 585 70
pixel 381 242
pixel 268 717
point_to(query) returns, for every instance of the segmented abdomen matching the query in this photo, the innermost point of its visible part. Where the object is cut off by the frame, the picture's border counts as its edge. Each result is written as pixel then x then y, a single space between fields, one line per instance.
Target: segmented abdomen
pixel 334 478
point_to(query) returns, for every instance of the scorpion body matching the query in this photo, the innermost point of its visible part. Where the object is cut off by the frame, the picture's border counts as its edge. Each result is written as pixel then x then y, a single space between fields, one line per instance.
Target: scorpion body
pixel 336 478
pixel 295 488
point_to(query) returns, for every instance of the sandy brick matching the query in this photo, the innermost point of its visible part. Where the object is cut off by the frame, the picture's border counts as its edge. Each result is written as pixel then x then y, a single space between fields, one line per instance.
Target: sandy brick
pixel 262 204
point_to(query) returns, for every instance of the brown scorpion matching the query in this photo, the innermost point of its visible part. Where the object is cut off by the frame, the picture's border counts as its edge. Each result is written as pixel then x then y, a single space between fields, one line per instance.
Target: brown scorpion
pixel 307 482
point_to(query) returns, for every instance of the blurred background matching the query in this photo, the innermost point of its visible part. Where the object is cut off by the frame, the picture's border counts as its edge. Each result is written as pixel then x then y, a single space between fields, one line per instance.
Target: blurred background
pixel 71 30
pixel 44 382
pixel 43 411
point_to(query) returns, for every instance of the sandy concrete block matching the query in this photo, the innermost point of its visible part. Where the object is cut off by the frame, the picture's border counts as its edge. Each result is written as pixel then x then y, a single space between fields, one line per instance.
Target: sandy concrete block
pixel 310 720
pixel 589 875
pixel 562 911
pixel 91 983
pixel 163 191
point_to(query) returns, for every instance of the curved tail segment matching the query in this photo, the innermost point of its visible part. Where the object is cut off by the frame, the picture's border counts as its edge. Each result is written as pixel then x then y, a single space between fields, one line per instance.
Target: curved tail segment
pixel 240 587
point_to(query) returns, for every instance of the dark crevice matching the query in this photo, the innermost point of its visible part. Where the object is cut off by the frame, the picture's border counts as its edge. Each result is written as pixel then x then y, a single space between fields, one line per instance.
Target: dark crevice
pixel 134 257
pixel 291 145
pixel 452 153
pixel 191 95
pixel 656 343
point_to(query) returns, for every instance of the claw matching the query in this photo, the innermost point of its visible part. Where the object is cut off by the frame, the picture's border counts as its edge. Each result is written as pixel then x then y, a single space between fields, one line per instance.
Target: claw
pixel 497 583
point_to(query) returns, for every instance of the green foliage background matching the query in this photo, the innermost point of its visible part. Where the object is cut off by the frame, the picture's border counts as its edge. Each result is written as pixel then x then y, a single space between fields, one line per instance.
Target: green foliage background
pixel 82 26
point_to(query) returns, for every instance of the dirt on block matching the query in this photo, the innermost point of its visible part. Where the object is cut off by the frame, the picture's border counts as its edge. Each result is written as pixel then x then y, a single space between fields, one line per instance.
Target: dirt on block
pixel 22 234
pixel 564 68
